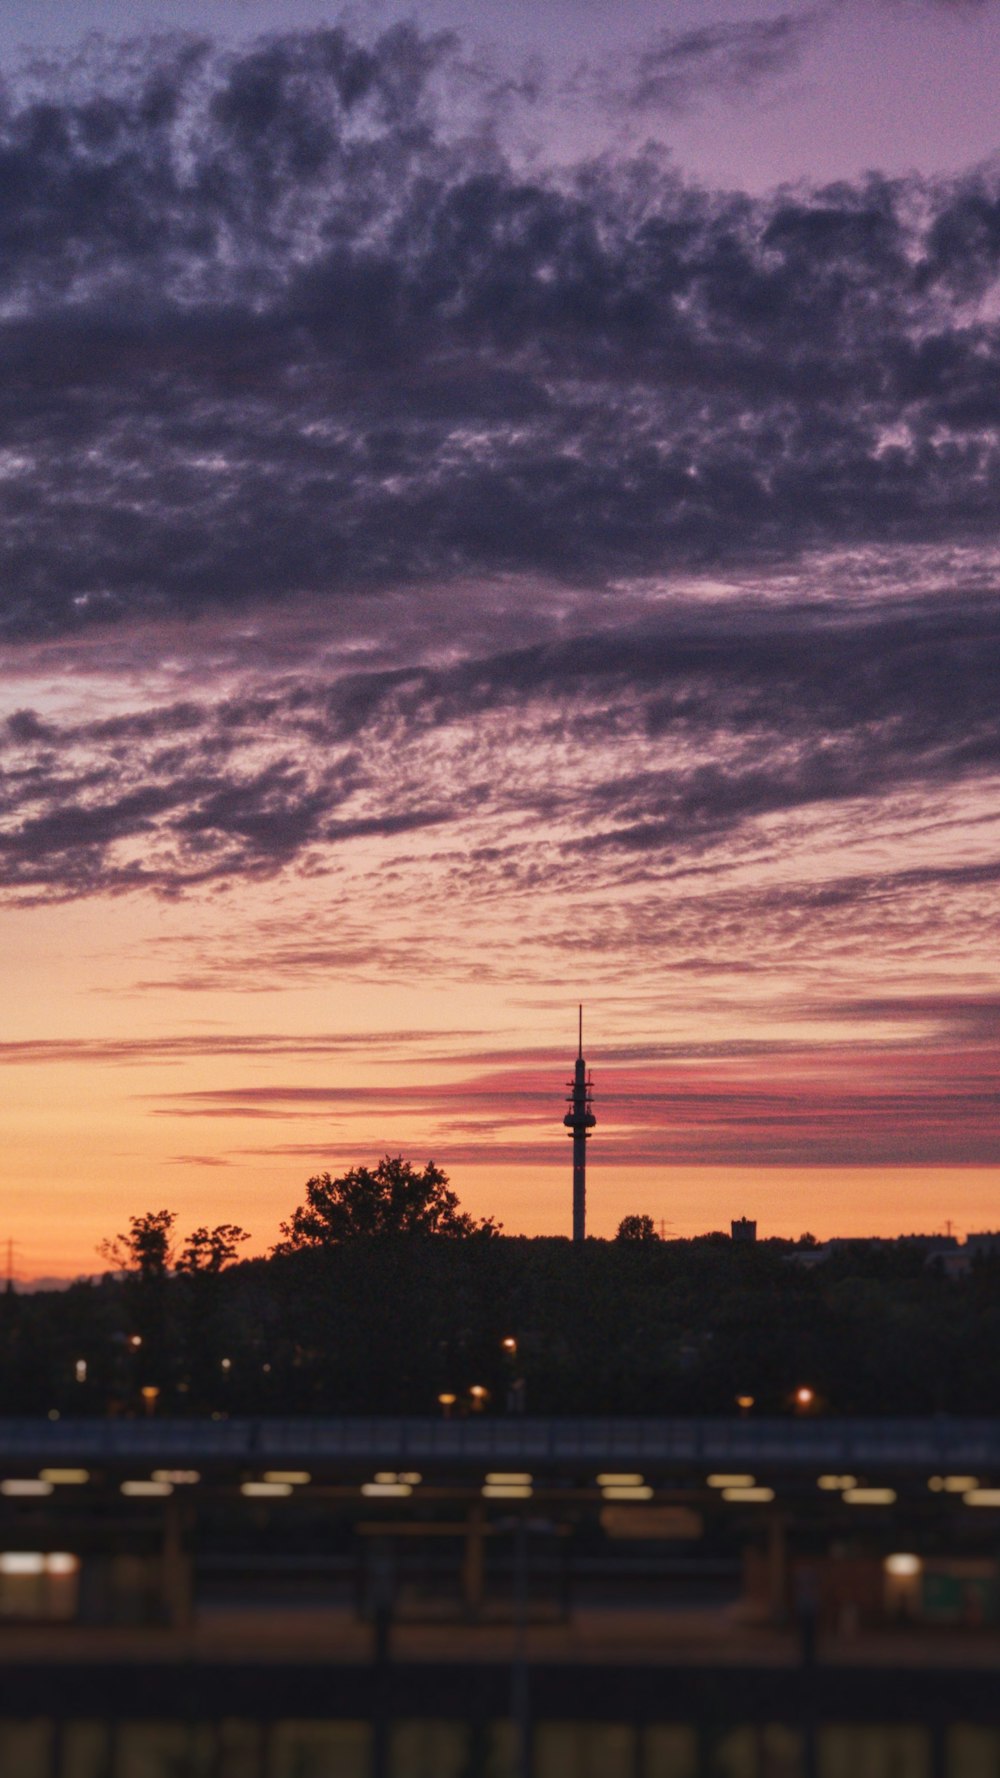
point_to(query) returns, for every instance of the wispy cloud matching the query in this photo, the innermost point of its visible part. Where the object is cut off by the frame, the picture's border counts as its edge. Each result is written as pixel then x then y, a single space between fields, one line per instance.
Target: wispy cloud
pixel 678 68
pixel 679 730
pixel 914 1106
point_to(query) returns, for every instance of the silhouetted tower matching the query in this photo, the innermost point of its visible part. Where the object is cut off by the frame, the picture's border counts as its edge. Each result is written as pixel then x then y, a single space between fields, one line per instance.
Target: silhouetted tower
pixel 579 1121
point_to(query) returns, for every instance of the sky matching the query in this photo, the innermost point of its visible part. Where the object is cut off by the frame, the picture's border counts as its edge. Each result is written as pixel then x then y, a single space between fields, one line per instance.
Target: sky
pixel 499 510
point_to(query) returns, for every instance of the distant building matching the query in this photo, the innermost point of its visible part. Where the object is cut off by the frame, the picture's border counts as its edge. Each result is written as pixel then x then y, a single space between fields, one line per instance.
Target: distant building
pixel 987 1242
pixel 942 1248
pixel 743 1229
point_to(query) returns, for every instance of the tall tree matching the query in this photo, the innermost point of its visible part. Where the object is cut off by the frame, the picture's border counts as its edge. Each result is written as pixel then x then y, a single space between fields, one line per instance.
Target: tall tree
pixel 636 1228
pixel 146 1251
pixel 207 1251
pixel 392 1198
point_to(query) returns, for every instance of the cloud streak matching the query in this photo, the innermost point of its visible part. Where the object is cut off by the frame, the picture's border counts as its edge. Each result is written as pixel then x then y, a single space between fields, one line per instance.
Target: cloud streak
pixel 931 1109
pixel 679 67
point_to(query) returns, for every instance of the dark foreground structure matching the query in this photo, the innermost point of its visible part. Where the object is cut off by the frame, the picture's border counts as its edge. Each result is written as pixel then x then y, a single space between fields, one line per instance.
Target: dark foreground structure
pixel 493 1598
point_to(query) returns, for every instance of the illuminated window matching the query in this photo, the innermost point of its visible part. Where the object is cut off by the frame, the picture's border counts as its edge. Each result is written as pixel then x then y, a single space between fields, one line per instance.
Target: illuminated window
pixel 903 1565
pixel 38 1584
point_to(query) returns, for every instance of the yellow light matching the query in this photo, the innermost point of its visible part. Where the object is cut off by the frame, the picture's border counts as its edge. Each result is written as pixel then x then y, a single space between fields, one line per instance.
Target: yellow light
pixel 80 1370
pixel 68 1478
pixel 805 1397
pixel 936 1484
pixel 730 1481
pixel 835 1484
pixel 386 1475
pixel 37 1562
pixel 265 1490
pixel 22 1562
pixel 411 1477
pixel 517 1478
pixel 758 1496
pixel 903 1564
pixel 386 1490
pixel 146 1490
pixel 745 1402
pixel 509 1345
pixel 870 1496
pixel 18 1486
pixel 959 1484
pixel 982 1497
pixel 447 1401
pixel 506 1491
pixel 625 1492
pixel 135 1341
pixel 61 1562
pixel 620 1481
pixel 182 1478
pixel 296 1478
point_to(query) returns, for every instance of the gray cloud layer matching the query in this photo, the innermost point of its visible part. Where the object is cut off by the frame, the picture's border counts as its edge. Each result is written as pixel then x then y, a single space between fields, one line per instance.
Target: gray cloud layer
pixel 272 328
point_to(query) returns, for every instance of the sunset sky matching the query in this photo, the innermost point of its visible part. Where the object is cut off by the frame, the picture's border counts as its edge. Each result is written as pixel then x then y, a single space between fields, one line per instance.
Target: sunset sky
pixel 500 508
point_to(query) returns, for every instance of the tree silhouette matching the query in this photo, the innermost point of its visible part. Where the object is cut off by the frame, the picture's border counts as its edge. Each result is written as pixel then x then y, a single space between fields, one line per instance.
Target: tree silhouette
pixel 392 1198
pixel 146 1251
pixel 208 1250
pixel 636 1228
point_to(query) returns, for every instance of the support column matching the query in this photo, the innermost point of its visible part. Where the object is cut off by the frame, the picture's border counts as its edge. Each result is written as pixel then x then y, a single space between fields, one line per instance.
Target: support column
pixel 474 1563
pixel 777 1569
pixel 176 1568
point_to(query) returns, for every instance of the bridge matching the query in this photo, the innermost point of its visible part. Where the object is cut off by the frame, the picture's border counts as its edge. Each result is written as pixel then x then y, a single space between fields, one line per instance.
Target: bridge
pixel 667 1450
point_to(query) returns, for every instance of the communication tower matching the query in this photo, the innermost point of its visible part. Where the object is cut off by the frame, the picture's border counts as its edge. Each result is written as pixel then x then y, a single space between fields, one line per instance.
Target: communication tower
pixel 579 1121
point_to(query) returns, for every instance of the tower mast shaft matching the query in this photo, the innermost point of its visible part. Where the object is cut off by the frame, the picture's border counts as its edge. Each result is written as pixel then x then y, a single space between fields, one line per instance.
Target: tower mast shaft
pixel 579 1121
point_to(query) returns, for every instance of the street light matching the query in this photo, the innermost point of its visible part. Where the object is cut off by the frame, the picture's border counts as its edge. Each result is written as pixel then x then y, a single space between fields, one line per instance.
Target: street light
pixel 510 1346
pixel 150 1393
pixel 479 1397
pixel 744 1403
pixel 446 1402
pixel 804 1399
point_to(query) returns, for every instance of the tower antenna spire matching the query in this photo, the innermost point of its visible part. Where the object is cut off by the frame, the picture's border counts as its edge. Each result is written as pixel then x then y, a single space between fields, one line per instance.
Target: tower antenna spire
pixel 579 1121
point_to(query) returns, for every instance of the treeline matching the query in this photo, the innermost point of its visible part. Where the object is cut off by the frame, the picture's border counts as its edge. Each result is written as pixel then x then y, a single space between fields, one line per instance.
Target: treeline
pixel 387 1319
